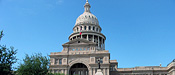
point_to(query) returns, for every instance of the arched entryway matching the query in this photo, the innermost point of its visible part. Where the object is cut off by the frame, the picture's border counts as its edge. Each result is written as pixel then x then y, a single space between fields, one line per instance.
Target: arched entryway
pixel 78 69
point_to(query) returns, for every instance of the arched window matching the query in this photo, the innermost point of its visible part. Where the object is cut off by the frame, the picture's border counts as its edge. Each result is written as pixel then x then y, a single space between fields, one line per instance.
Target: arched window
pixel 89 27
pixel 84 27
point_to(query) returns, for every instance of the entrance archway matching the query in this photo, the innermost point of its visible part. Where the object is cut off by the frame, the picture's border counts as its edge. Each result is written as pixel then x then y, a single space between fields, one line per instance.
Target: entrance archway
pixel 78 69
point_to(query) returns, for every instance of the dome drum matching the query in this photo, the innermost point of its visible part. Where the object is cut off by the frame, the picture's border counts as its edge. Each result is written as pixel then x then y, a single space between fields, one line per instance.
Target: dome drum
pixel 96 38
pixel 87 33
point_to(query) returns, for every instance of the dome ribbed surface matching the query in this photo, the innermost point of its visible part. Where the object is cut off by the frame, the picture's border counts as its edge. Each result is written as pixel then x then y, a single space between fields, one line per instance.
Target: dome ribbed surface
pixel 87 17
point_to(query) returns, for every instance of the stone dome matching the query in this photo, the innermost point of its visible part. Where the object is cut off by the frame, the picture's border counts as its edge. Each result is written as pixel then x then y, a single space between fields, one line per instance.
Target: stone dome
pixel 87 17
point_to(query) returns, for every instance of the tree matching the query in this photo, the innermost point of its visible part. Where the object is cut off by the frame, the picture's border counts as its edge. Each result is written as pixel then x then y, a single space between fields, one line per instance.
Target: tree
pixel 35 64
pixel 7 58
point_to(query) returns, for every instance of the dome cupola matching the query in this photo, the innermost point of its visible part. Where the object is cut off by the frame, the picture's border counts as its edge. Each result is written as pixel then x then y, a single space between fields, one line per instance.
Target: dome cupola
pixel 87 17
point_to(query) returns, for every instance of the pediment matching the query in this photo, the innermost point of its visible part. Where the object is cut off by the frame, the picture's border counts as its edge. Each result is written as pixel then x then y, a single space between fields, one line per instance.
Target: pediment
pixel 79 41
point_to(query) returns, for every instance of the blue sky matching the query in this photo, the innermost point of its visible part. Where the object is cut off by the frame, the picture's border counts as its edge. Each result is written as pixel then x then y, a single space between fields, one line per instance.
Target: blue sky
pixel 139 32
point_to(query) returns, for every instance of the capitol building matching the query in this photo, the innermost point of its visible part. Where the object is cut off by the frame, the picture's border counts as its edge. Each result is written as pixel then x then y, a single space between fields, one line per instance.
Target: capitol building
pixel 86 46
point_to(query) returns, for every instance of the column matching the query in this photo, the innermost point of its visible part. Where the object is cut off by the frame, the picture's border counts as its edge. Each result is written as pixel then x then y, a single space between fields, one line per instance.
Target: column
pixel 82 28
pixel 81 36
pixel 98 42
pixel 58 61
pixel 87 28
pixel 92 38
pixel 52 70
pixel 104 45
pixel 87 37
pixel 65 72
pixel 104 72
pixel 94 71
pixel 91 27
pixel 107 71
pixel 91 71
pixel 53 61
pixel 101 43
pixel 62 71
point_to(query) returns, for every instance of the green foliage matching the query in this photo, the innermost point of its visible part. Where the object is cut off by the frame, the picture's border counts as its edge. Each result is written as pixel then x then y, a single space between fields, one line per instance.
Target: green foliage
pixel 7 58
pixel 1 35
pixel 34 65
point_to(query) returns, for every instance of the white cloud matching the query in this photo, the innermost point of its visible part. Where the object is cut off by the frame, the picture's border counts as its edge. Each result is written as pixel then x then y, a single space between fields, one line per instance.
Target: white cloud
pixel 59 2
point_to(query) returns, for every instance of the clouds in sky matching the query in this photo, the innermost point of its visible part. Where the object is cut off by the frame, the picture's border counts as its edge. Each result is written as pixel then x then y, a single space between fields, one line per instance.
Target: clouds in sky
pixel 59 2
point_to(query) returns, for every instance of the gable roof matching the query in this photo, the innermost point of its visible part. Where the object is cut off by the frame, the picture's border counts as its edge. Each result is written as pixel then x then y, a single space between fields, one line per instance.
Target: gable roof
pixel 82 42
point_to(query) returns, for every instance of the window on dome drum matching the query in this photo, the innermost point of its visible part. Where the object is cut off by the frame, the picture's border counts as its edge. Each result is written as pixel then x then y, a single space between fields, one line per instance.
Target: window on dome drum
pixel 84 27
pixel 80 28
pixel 84 49
pixel 97 29
pixel 74 37
pixel 87 48
pixel 93 28
pixel 78 36
pixel 77 28
pixel 84 36
pixel 89 27
pixel 60 61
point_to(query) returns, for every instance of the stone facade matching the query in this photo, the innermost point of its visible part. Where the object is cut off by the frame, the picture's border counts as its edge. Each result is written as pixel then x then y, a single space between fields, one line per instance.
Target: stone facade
pixel 87 45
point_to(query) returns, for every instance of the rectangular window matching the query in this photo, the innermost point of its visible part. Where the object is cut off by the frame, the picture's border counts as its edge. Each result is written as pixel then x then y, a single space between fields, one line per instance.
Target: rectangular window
pixel 60 61
pixel 56 61
pixel 112 68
